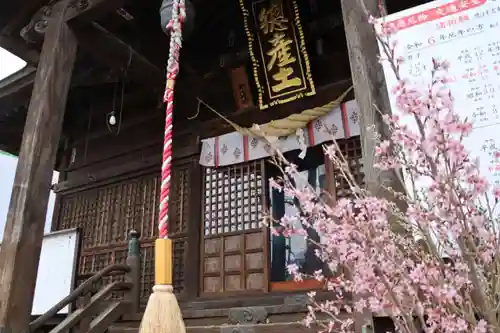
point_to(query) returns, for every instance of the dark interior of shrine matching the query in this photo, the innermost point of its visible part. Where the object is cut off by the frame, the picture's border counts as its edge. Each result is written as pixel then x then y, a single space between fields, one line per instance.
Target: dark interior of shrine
pixel 122 55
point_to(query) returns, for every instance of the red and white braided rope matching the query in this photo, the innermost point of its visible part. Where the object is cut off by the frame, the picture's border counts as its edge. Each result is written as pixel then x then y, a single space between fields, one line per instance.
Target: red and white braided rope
pixel 175 27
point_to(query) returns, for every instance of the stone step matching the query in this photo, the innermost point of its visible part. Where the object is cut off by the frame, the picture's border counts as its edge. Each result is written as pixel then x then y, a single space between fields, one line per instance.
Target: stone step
pixel 232 316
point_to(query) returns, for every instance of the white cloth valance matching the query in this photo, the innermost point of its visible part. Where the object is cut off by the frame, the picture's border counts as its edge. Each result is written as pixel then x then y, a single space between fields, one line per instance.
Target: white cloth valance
pixel 233 148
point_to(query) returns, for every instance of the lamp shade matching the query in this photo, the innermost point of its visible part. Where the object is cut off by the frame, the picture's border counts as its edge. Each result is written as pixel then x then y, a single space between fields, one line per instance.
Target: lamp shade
pixel 166 15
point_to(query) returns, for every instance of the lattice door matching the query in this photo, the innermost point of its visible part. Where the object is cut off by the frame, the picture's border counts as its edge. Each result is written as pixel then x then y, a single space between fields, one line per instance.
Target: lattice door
pixel 234 249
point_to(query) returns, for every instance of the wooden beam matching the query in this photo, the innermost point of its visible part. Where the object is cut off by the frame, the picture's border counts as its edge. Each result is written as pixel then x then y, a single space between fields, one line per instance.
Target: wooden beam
pixel 20 81
pixel 88 10
pixel 236 57
pixel 81 10
pixel 28 8
pixel 15 91
pixel 23 236
pixel 78 10
pixel 110 174
pixel 115 53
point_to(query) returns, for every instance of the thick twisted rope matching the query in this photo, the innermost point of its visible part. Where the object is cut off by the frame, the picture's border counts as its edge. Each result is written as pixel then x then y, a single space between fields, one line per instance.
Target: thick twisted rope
pixel 288 125
pixel 175 26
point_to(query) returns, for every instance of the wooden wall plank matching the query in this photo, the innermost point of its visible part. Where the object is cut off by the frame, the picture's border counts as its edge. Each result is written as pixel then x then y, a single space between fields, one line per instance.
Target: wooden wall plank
pixel 26 216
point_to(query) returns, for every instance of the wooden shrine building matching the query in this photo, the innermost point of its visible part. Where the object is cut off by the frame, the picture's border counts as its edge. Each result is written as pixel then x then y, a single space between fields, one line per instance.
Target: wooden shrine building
pixel 89 105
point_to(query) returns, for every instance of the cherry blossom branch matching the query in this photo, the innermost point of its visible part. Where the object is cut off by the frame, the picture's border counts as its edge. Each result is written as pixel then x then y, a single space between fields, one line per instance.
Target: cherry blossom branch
pixel 387 267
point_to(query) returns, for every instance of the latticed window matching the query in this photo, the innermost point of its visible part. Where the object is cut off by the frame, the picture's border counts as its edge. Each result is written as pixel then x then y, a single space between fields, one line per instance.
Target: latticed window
pixel 178 220
pixel 233 198
pixel 351 149
pixel 106 214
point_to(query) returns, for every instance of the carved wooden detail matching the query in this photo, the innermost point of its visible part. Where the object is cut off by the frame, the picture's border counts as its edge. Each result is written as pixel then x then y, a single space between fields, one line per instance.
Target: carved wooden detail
pixel 245 316
pixel 35 30
pixel 106 214
pixel 233 253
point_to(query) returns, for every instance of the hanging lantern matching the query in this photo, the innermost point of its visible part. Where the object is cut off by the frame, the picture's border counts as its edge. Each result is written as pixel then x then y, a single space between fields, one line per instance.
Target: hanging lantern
pixel 166 15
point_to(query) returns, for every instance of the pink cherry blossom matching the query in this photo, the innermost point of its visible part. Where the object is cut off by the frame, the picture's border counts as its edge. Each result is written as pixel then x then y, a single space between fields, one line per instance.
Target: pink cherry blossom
pixel 432 263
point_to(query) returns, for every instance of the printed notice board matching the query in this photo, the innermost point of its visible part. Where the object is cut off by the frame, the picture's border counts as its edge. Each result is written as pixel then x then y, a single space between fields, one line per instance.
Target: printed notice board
pixel 467 34
pixel 56 270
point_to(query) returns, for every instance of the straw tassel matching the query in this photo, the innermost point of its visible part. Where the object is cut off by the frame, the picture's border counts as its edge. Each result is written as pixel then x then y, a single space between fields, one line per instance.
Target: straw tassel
pixel 162 314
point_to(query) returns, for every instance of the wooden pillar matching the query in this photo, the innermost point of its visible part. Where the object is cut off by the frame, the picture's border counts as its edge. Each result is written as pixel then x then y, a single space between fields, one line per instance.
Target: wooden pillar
pixel 23 236
pixel 370 92
pixel 368 78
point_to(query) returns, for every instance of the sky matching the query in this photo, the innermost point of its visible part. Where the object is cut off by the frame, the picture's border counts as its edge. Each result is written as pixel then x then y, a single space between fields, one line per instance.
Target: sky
pixel 9 64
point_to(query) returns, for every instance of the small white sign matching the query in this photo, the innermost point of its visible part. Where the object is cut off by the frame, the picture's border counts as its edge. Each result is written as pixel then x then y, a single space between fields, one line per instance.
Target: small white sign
pixel 56 270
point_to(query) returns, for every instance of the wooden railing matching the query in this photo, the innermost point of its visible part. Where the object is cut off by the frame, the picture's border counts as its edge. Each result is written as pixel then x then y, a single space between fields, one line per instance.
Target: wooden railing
pixel 98 311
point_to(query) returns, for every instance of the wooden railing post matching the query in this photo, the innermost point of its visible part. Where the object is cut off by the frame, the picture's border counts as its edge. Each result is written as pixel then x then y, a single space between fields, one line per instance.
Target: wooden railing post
pixel 134 275
pixel 84 324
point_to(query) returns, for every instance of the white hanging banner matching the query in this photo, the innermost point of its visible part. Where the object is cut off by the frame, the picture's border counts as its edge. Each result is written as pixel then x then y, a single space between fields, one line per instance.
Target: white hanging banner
pixel 233 148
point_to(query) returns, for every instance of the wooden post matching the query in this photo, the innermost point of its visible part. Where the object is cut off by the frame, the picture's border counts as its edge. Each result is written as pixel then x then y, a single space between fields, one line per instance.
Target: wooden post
pixel 23 236
pixel 84 324
pixel 370 92
pixel 134 276
pixel 368 79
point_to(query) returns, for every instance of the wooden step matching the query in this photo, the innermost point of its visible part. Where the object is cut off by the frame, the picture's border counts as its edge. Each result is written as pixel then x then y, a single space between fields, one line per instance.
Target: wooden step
pixel 109 316
pixel 289 327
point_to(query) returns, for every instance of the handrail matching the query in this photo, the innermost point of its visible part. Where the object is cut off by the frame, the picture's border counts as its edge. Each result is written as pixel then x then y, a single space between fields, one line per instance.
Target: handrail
pixel 89 275
pixel 132 271
pixel 91 308
pixel 79 291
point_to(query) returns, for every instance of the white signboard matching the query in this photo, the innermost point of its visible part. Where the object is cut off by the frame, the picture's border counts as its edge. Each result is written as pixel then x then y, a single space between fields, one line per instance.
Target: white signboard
pixel 56 270
pixel 467 34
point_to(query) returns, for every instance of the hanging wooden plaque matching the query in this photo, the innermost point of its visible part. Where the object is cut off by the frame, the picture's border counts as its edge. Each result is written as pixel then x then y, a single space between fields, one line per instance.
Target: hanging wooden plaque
pixel 278 51
pixel 241 88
